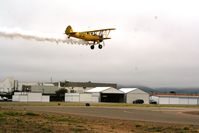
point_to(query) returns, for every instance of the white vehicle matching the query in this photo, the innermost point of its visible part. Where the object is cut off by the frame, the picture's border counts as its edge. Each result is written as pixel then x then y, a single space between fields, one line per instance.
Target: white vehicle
pixel 1 99
pixel 5 99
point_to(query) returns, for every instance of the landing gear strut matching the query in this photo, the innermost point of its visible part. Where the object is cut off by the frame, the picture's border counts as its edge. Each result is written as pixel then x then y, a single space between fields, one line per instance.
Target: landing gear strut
pixel 92 46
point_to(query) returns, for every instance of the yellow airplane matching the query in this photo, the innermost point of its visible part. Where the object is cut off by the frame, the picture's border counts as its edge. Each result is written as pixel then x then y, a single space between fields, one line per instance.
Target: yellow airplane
pixel 94 36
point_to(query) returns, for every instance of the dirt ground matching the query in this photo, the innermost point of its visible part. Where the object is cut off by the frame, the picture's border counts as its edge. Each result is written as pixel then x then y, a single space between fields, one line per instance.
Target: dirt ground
pixel 150 114
pixel 33 121
pixel 192 112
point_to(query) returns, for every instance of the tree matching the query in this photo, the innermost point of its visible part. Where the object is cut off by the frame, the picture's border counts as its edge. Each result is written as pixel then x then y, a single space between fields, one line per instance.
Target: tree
pixel 172 92
pixel 61 92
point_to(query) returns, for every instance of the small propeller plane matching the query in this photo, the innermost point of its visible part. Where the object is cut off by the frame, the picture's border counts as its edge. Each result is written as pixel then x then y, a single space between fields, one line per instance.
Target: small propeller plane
pixel 94 36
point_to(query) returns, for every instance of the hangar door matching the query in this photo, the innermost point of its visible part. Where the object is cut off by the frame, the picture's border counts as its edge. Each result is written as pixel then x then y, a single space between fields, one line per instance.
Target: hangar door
pixel 112 98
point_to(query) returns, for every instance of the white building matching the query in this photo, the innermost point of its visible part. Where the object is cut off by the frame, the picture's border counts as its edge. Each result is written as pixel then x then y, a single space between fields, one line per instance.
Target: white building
pixel 29 97
pixel 132 94
pixel 176 99
pixel 97 94
pixel 7 84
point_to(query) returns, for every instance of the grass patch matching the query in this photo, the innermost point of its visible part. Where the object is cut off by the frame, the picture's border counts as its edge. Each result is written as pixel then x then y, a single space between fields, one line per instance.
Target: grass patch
pixel 24 121
pixel 93 104
pixel 2 120
pixel 2 114
pixel 63 119
pixel 186 128
pixel 138 125
pixel 13 113
pixel 46 129
pixel 78 129
pixel 155 129
pixel 31 114
pixel 68 119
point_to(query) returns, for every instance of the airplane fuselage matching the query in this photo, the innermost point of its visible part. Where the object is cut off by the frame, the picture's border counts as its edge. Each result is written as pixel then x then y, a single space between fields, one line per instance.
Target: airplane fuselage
pixel 87 37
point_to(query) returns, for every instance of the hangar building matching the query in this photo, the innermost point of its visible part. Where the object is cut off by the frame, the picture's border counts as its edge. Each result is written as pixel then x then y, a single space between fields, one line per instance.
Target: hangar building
pixel 97 94
pixel 81 87
pixel 176 99
pixel 29 97
pixel 131 94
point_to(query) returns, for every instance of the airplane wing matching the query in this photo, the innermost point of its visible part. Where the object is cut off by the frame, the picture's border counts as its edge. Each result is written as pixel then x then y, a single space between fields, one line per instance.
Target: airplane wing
pixel 100 30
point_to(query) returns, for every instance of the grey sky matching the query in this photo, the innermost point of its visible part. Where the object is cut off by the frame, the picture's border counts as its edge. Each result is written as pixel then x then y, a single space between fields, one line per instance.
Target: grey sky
pixel 155 44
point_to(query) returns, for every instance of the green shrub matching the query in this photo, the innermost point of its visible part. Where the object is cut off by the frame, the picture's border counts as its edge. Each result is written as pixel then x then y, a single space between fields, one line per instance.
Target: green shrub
pixel 31 114
pixel 13 113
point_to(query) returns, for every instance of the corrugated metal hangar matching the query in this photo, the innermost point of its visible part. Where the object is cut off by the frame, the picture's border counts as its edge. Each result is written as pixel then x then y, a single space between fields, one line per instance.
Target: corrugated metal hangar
pixel 132 94
pixel 108 94
pixel 29 97
pixel 176 99
pixel 97 94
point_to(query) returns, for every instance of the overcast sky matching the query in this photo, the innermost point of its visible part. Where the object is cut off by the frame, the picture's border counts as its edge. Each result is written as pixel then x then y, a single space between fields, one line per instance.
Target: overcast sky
pixel 155 43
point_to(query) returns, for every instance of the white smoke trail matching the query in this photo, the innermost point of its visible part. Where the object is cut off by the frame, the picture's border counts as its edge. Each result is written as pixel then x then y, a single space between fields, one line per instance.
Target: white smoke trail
pixel 36 36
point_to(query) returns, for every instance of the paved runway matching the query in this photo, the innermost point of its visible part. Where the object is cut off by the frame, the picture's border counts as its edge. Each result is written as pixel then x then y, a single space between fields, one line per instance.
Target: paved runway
pixel 154 114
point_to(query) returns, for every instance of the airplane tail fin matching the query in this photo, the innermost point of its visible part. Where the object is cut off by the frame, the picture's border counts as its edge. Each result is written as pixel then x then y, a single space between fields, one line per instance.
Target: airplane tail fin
pixel 68 30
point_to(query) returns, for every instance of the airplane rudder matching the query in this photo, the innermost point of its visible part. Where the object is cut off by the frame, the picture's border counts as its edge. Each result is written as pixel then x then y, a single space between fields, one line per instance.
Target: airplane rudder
pixel 68 30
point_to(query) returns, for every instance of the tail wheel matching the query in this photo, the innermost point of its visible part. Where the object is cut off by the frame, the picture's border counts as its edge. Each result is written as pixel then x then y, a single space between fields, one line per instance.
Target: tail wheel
pixel 100 46
pixel 92 46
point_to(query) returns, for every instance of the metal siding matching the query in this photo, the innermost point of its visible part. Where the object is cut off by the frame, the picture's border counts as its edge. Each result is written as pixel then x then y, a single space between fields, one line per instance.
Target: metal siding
pixel 112 91
pixel 45 98
pixel 163 100
pixel 192 101
pixel 95 99
pixel 68 98
pixel 183 100
pixel 34 97
pixel 85 97
pixel 72 97
pixel 23 98
pixel 75 98
pixel 15 98
pixel 89 97
pixel 130 97
pixel 95 94
pixel 174 100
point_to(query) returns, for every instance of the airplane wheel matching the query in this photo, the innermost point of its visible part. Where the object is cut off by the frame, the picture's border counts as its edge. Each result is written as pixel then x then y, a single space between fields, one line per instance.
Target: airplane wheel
pixel 100 46
pixel 92 46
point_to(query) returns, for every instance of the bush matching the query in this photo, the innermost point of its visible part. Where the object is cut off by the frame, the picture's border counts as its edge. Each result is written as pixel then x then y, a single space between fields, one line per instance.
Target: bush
pixel 31 114
pixel 87 104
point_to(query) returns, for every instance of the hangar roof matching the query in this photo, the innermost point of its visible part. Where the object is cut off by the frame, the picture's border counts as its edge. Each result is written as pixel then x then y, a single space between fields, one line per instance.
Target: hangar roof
pixel 127 90
pixel 108 90
pixel 98 89
pixel 175 95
